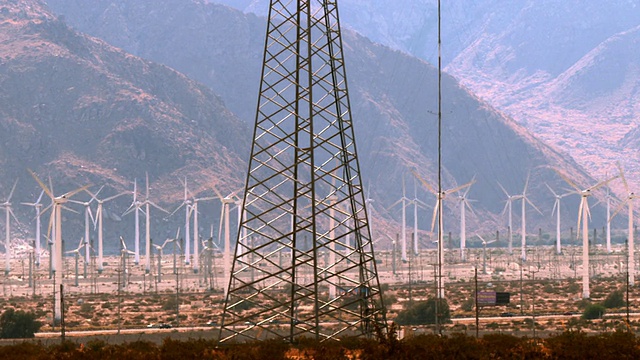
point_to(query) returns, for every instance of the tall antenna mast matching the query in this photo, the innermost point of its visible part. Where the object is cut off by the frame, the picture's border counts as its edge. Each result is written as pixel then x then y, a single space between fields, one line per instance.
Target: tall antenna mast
pixel 440 290
pixel 303 197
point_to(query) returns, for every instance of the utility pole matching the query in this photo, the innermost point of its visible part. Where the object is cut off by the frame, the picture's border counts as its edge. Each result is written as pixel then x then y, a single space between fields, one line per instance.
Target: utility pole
pixel 62 325
pixel 118 271
pixel 627 286
pixel 177 300
pixel 533 302
pixel 476 301
pixel 521 287
pixel 410 261
pixel 53 324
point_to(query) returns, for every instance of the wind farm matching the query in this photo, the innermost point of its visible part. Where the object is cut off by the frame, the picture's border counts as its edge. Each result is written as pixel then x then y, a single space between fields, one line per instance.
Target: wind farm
pixel 292 233
pixel 87 273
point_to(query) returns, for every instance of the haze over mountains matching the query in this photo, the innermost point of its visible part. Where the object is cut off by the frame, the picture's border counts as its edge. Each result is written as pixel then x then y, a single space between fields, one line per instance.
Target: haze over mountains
pixel 112 116
pixel 566 70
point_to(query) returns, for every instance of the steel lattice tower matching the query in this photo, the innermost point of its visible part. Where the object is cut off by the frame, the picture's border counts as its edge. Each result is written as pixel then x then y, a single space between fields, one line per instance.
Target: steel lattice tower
pixel 304 262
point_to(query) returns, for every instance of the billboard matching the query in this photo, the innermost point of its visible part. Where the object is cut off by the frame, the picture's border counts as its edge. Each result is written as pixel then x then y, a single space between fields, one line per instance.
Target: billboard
pixel 491 298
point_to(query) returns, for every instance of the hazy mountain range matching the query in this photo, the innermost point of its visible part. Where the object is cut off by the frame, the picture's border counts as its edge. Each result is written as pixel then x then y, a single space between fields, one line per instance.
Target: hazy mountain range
pixel 111 105
pixel 566 70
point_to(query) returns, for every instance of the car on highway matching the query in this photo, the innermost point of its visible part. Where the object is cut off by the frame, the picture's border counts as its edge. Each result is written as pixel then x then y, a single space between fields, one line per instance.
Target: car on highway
pixel 507 314
pixel 165 326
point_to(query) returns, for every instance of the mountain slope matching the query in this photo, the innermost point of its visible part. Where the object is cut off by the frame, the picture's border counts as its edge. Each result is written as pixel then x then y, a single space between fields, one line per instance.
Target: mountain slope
pixel 393 97
pixel 518 56
pixel 81 111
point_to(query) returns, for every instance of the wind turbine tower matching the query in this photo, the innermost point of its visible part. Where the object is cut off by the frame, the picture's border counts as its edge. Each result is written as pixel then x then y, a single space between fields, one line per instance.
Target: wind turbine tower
pixel 99 217
pixel 38 207
pixel 7 240
pixel 508 207
pixel 629 201
pixel 55 224
pixel 583 215
pixel 556 209
pixel 147 203
pixel 403 201
pixel 303 143
pixel 525 200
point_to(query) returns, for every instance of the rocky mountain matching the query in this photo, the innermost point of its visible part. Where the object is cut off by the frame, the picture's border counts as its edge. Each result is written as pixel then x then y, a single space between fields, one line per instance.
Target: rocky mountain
pixel 565 70
pixel 393 97
pixel 81 111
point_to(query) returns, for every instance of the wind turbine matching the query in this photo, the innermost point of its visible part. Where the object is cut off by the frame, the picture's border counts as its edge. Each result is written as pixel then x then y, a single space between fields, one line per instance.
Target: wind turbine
pixel 416 203
pixel 196 232
pixel 509 207
pixel 135 208
pixel 76 253
pixel 187 203
pixel 99 213
pixel 440 196
pixel 631 196
pixel 556 208
pixel 7 241
pixel 484 253
pixel 403 200
pixel 608 220
pixel 583 213
pixel 525 200
pixel 160 250
pixel 464 204
pixel 87 215
pixel 124 253
pixel 38 207
pixel 224 217
pixel 55 224
pixel 148 203
pixel 208 249
pixel 369 208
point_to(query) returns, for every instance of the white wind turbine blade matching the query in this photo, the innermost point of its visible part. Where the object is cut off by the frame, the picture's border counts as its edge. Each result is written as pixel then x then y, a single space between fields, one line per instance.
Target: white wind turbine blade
pixel 466 202
pixel 94 197
pixel 70 209
pixel 580 210
pixel 93 219
pixel 567 180
pixel 624 180
pixel 435 215
pixel 157 207
pixel 550 189
pixel 220 226
pixel 456 189
pixel 12 190
pixel 394 204
pixel 466 192
pixel 42 185
pixel 532 205
pixel 555 206
pixel 39 198
pixel 115 196
pixel 424 182
pixel 619 208
pixel 506 207
pixel 586 203
pixel 602 183
pixel 404 192
pixel 526 184
pixel 218 194
pixel 176 210
pixel 14 216
pixel 73 192
pixel 504 190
